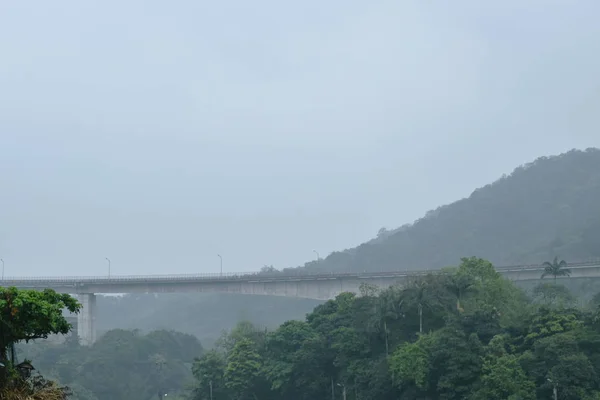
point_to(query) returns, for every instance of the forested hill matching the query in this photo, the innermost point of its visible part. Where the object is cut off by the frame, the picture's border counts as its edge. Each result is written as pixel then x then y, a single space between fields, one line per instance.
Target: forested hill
pixel 545 208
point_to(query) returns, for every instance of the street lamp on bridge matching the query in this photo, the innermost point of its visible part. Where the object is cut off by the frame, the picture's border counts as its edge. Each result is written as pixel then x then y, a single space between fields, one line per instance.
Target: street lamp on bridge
pixel 318 256
pixel 108 259
pixel 221 264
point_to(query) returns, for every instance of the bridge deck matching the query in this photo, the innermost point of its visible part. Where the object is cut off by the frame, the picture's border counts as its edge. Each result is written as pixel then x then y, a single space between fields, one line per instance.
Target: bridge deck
pixel 298 275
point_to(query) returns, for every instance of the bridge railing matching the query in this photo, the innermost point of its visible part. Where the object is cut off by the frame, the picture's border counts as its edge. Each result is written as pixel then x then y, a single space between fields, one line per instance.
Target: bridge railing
pixel 248 275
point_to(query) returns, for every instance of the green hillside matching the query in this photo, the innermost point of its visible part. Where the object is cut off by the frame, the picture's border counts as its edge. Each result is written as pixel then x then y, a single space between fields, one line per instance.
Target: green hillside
pixel 545 208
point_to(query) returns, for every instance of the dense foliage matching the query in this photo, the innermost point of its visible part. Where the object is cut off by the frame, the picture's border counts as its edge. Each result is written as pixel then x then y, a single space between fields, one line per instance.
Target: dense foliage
pixel 27 315
pixel 121 365
pixel 463 333
pixel 544 208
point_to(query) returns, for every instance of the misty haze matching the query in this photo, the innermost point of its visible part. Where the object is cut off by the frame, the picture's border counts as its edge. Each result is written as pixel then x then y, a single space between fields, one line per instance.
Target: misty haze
pixel 322 200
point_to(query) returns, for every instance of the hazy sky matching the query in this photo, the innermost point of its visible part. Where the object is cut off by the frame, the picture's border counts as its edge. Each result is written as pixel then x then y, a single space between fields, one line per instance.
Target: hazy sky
pixel 161 133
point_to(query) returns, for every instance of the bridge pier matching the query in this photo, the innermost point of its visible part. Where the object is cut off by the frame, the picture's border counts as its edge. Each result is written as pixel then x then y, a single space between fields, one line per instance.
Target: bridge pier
pixel 86 319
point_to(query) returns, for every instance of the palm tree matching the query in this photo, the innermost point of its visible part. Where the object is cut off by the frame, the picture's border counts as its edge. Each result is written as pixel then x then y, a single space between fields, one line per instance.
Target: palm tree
pixel 391 307
pixel 388 306
pixel 458 285
pixel 417 293
pixel 555 268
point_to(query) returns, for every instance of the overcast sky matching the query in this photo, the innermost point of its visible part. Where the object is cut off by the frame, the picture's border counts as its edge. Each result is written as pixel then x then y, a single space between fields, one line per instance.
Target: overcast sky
pixel 162 133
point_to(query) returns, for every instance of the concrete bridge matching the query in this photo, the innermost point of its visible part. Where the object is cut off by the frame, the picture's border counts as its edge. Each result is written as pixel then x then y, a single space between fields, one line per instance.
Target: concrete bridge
pixel 297 283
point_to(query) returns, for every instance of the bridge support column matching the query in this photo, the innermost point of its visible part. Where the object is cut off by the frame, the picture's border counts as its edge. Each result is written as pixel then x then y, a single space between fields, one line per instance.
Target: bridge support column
pixel 86 319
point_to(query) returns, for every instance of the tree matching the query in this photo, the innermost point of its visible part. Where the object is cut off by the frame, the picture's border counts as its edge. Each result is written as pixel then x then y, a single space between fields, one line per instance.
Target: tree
pixel 368 290
pixel 125 365
pixel 459 284
pixel 425 292
pixel 268 269
pixel 553 295
pixel 555 268
pixel 382 232
pixel 549 322
pixel 502 376
pixel 455 362
pixel 243 369
pixel 29 314
pixel 385 308
pixel 295 362
pixel 561 359
pixel 491 293
pixel 209 371
pixel 243 330
pixel 410 363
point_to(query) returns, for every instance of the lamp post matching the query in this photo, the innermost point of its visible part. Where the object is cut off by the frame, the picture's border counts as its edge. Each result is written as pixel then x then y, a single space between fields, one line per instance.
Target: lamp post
pixel 221 258
pixel 343 390
pixel 318 256
pixel 2 269
pixel 554 389
pixel 108 259
pixel 159 363
pixel 209 387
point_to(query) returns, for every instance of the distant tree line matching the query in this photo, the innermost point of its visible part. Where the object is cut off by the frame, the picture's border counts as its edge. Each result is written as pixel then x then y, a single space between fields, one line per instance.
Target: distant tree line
pixel 463 333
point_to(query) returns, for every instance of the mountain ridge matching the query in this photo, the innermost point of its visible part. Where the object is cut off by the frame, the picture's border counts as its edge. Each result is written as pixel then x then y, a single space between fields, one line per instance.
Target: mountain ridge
pixel 543 208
